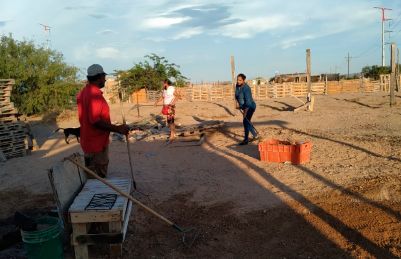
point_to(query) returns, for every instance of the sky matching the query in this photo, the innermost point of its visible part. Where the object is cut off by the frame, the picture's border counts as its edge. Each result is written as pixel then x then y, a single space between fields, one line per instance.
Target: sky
pixel 266 37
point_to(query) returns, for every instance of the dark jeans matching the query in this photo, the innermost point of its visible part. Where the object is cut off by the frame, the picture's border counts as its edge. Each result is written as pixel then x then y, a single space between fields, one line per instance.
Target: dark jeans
pixel 247 124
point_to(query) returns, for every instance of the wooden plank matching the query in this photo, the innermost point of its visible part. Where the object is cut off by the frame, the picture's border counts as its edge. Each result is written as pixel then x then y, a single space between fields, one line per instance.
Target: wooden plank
pixel 81 250
pixel 7 81
pixel 116 213
pixel 103 238
pixel 301 107
pixel 3 157
pixel 95 216
pixel 66 181
pixel 115 249
pixel 6 87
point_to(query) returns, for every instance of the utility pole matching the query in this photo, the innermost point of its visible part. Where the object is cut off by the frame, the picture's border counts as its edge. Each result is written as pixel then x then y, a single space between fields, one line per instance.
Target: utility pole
pixel 383 9
pixel 348 61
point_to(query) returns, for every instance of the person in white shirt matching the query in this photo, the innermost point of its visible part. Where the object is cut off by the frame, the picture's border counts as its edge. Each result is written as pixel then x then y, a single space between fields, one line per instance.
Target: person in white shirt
pixel 169 98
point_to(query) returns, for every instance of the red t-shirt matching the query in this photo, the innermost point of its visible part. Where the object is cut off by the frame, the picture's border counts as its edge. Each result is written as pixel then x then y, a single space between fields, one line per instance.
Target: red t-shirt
pixel 92 107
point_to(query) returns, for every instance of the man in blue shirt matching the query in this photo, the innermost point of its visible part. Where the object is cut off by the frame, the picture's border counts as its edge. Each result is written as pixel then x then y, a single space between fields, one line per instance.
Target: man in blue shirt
pixel 243 95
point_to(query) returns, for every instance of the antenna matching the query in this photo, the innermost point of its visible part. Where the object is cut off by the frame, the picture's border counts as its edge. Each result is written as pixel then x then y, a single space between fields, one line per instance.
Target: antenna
pixel 47 32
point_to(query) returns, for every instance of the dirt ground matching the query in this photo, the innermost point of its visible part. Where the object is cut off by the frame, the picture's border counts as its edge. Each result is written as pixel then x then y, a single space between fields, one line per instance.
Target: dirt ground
pixel 344 203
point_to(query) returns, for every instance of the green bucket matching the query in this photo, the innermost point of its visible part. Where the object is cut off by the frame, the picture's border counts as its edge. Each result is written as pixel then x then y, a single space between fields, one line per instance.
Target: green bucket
pixel 46 242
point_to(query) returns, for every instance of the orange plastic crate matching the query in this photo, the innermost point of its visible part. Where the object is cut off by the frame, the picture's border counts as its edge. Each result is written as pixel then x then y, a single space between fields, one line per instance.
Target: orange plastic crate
pixel 274 150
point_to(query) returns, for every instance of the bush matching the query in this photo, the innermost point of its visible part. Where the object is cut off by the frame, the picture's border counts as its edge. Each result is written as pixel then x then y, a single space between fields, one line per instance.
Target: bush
pixel 43 81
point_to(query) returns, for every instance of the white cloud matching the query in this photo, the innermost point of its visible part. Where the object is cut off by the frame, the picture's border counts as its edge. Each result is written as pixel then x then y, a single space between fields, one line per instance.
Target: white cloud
pixel 249 27
pixel 107 52
pixel 163 22
pixel 106 32
pixel 82 53
pixel 156 39
pixel 292 42
pixel 186 34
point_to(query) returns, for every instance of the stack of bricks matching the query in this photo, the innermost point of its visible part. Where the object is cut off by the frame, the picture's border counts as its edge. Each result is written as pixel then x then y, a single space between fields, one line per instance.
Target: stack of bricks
pixel 12 131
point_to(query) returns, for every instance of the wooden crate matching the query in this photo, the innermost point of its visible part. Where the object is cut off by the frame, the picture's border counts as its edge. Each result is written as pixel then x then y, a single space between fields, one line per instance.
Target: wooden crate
pixel 117 217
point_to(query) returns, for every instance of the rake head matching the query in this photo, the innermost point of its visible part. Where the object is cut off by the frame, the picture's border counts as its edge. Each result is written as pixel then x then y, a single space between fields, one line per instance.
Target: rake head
pixel 189 235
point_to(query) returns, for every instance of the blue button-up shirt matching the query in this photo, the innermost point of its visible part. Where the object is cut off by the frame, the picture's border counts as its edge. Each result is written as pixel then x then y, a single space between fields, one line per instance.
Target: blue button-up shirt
pixel 243 94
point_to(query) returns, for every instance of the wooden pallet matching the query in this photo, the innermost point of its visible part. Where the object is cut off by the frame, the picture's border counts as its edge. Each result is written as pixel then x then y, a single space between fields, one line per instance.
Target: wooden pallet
pixel 12 139
pixel 7 81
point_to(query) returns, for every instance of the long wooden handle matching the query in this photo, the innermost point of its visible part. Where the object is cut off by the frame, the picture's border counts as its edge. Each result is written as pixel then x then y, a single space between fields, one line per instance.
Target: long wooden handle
pixel 130 162
pixel 127 140
pixel 90 172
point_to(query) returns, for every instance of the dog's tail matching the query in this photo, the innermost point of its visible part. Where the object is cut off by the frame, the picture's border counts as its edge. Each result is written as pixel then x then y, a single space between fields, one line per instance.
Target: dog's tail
pixel 58 130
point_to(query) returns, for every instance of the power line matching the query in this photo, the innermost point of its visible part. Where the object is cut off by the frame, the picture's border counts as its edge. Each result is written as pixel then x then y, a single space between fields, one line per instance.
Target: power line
pixel 371 48
pixel 398 22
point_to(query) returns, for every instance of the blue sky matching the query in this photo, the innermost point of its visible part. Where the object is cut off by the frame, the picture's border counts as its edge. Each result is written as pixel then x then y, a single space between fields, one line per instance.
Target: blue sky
pixel 265 36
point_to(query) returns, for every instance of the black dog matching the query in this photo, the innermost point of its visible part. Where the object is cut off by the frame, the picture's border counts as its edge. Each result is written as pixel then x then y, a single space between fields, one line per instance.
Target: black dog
pixel 24 222
pixel 70 131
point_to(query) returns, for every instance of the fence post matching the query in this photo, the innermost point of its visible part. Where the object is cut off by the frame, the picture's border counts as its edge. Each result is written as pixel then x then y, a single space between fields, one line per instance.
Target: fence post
pixel 233 79
pixel 308 71
pixel 392 78
pixel 397 72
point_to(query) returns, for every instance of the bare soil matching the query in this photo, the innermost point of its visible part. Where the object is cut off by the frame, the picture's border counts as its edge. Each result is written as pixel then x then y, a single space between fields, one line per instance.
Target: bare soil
pixel 344 203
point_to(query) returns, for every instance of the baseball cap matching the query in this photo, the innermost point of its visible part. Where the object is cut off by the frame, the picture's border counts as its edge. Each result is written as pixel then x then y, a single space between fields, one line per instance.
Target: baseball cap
pixel 95 69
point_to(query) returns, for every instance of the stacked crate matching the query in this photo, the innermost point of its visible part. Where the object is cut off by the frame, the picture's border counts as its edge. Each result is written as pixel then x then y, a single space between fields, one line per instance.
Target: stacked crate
pixel 7 109
pixel 12 132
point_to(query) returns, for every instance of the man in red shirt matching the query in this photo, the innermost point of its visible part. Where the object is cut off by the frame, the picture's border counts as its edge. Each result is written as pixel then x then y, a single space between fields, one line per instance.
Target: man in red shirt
pixel 94 118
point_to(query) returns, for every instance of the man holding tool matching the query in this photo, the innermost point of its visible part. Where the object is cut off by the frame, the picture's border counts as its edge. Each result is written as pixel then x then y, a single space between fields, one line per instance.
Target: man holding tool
pixel 94 118
pixel 247 106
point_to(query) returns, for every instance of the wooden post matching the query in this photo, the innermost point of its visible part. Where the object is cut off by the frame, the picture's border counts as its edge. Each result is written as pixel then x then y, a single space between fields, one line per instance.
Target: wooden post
pixel 137 104
pixel 392 78
pixel 308 71
pixel 115 249
pixel 397 71
pixel 312 103
pixel 81 250
pixel 310 99
pixel 325 85
pixel 233 79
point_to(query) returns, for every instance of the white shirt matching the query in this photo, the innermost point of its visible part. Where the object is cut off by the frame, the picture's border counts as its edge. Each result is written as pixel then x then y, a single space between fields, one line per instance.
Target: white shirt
pixel 168 95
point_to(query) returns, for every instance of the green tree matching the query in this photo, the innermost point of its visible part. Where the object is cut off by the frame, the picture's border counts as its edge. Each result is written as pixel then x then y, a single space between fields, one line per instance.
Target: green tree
pixel 374 71
pixel 44 82
pixel 150 74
